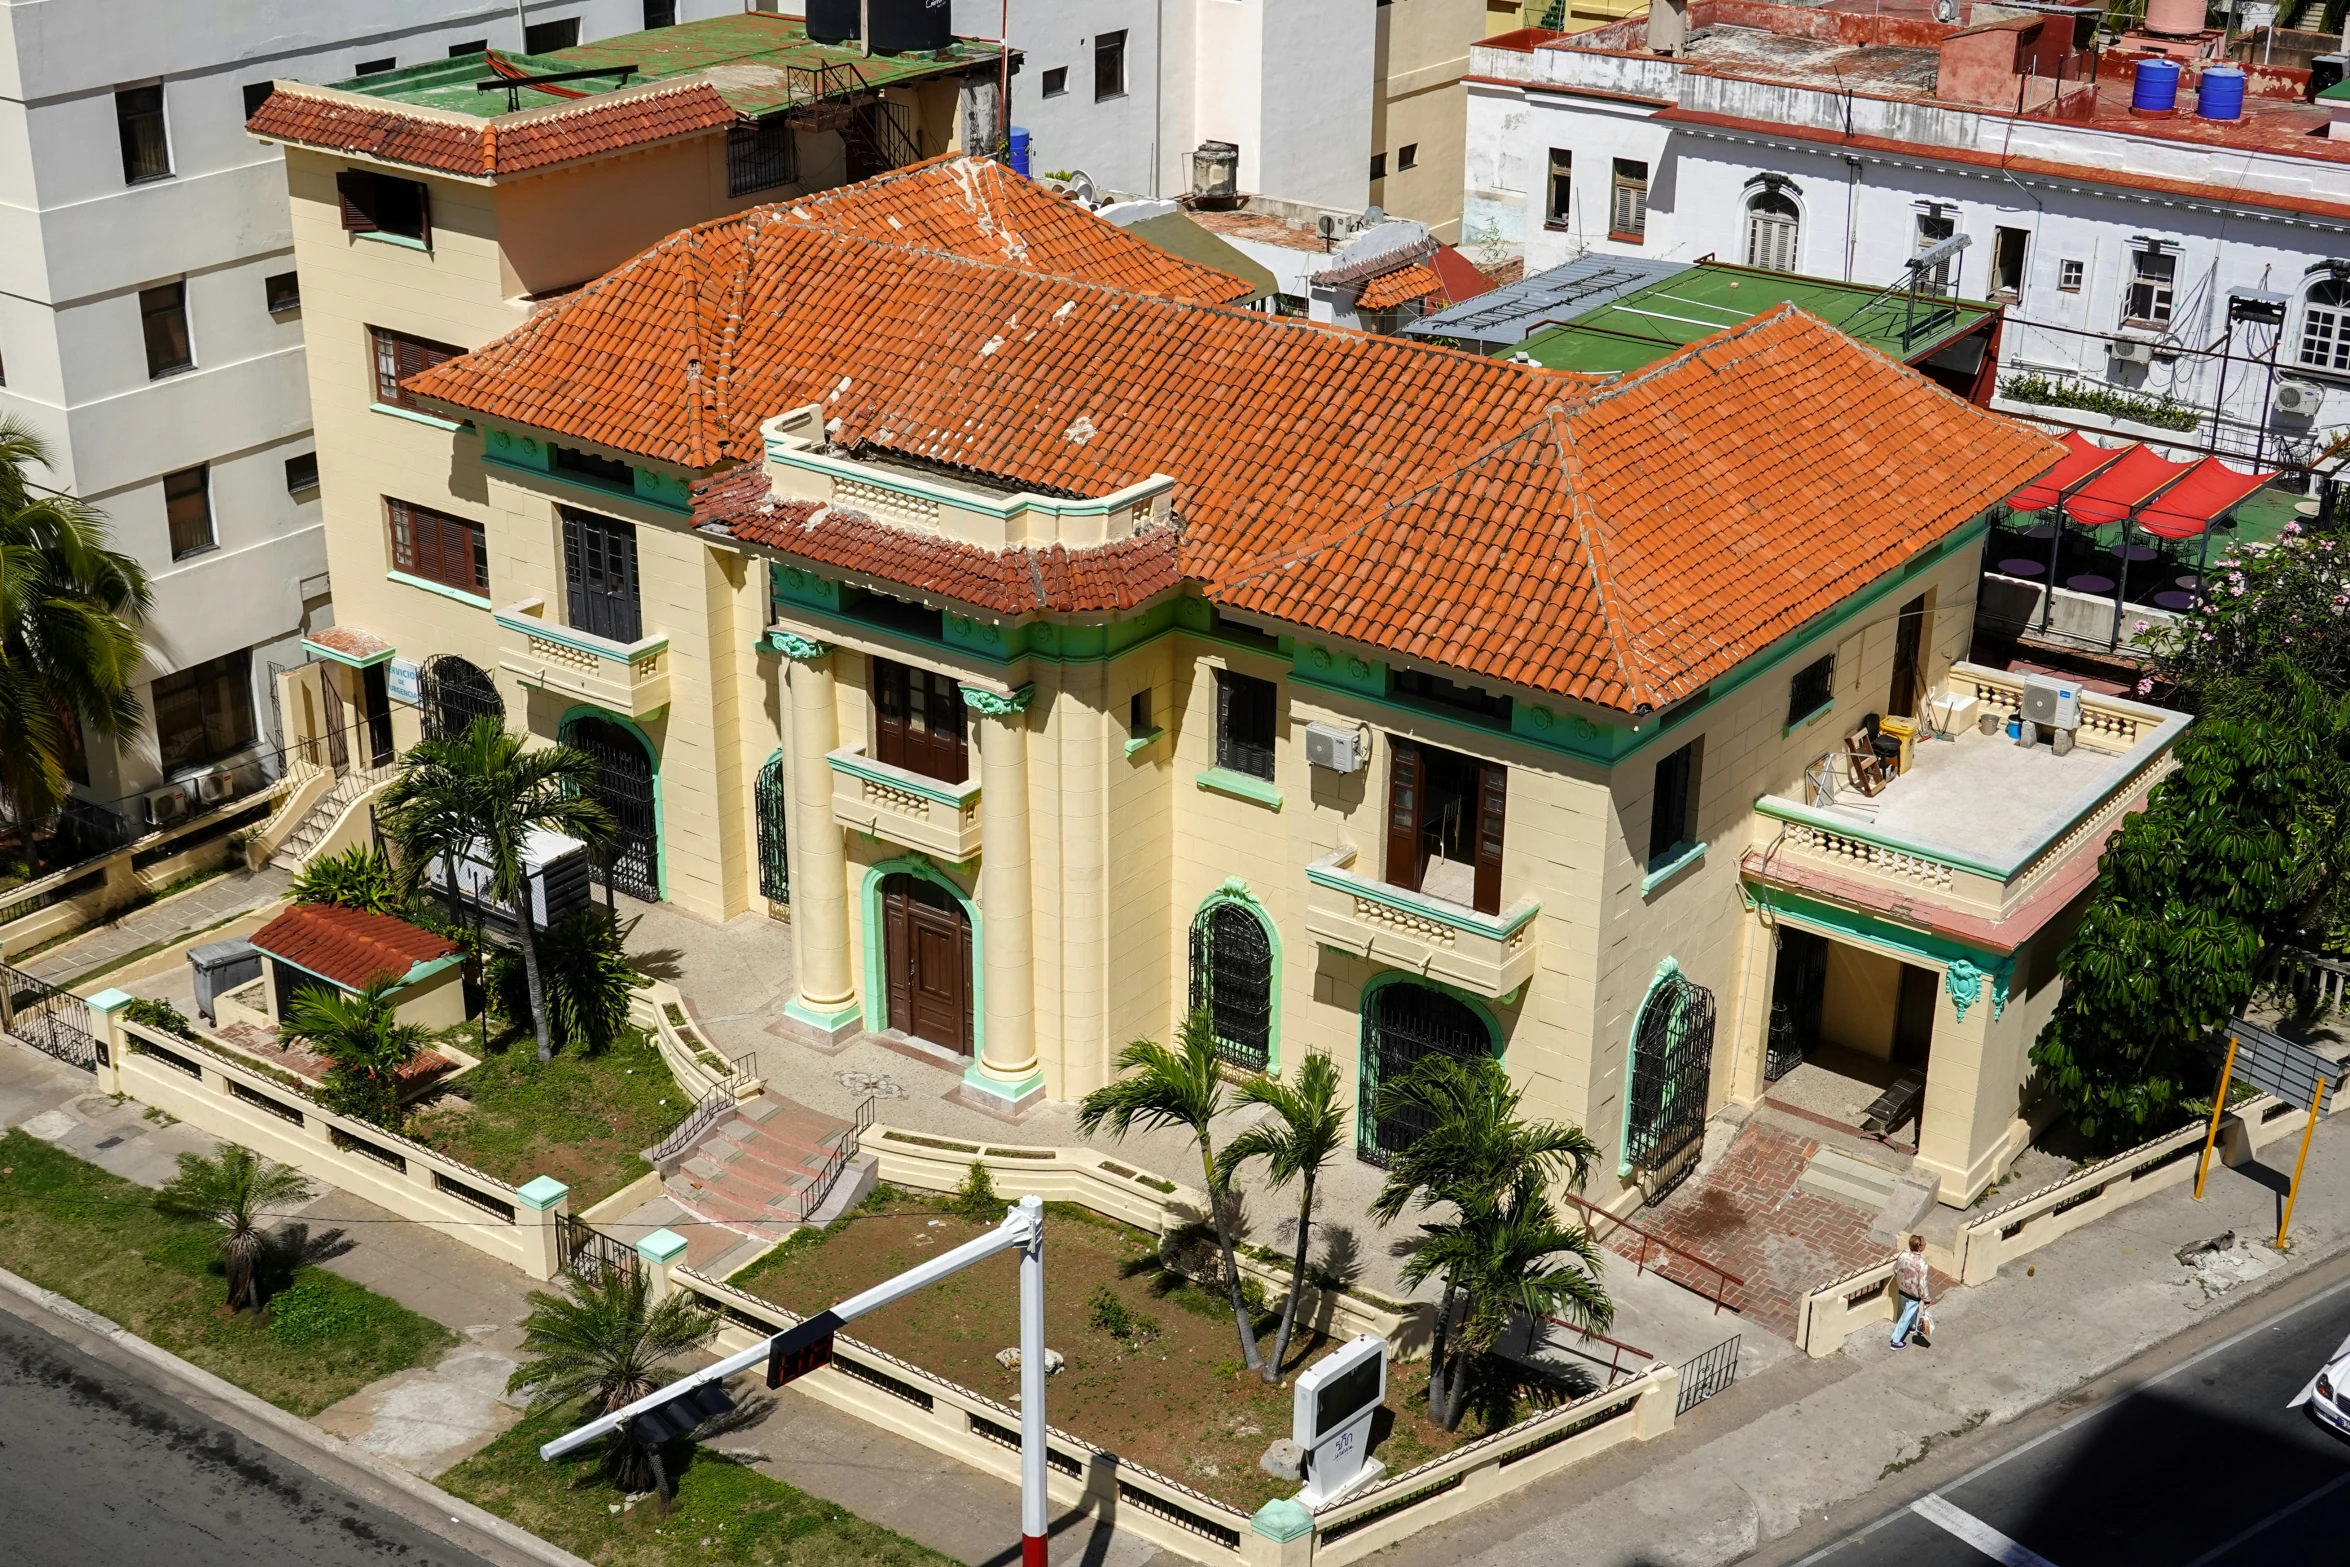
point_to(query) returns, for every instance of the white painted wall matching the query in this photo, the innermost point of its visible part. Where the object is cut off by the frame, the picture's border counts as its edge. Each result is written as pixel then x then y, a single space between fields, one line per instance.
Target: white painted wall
pixel 77 244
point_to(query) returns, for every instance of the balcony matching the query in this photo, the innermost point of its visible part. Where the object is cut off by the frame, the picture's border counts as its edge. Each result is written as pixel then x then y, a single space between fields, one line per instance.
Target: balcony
pixel 629 678
pixel 1487 954
pixel 1978 828
pixel 904 807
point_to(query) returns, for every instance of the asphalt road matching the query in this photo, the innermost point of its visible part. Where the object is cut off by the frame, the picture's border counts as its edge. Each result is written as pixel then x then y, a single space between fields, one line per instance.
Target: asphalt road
pixel 2198 1464
pixel 97 1466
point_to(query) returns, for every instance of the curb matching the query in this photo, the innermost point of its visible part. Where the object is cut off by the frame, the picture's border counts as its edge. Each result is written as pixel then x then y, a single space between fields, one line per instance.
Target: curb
pixel 416 1488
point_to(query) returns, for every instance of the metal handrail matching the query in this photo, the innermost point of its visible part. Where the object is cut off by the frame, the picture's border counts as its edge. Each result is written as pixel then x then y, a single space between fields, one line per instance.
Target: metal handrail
pixel 1615 1364
pixel 1648 1238
pixel 850 1145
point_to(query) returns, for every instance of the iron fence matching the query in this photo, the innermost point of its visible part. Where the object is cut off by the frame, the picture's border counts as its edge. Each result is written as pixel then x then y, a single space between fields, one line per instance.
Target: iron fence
pixel 845 1146
pixel 52 1020
pixel 590 1255
pixel 1708 1374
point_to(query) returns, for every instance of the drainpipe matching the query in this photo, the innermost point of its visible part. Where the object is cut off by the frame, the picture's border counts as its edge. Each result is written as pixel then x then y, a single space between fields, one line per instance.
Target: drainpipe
pixel 865 28
pixel 1851 208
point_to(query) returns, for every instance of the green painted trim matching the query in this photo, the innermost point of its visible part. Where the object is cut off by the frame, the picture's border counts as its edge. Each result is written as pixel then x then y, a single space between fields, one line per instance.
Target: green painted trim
pixel 418 973
pixel 956 795
pixel 661 1248
pixel 616 652
pixel 404 241
pixel 345 659
pixel 587 487
pixel 665 490
pixel 1497 927
pixel 854 1012
pixel 345 986
pixel 1855 925
pixel 512 449
pixel 110 1000
pixel 1142 740
pixel 1676 860
pixel 1666 968
pixel 1234 890
pixel 435 420
pixel 542 1192
pixel 652 754
pixel 798 585
pixel 976 1078
pixel 1241 786
pixel 442 588
pixel 1808 719
pixel 876 999
pixel 1283 1519
pixel 1342 671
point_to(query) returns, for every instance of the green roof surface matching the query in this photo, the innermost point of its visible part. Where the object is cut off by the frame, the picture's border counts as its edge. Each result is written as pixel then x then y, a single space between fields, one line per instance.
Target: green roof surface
pixel 770 46
pixel 1644 326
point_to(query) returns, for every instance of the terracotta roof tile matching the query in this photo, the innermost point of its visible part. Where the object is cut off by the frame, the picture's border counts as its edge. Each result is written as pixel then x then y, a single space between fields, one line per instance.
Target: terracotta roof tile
pixel 349 946
pixel 1121 575
pixel 509 144
pixel 1390 289
pixel 350 641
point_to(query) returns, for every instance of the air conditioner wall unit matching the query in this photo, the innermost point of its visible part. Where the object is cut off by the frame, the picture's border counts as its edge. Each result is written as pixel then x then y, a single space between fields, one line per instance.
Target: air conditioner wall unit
pixel 2298 397
pixel 214 786
pixel 161 807
pixel 2131 350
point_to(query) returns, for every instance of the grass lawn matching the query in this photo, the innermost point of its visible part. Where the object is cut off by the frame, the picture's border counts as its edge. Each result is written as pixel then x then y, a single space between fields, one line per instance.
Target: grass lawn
pixel 69 1226
pixel 585 1120
pixel 1169 1392
pixel 723 1511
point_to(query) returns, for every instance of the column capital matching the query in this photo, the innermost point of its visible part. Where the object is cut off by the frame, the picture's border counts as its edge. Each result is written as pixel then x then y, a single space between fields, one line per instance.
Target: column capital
pixel 792 645
pixel 999 704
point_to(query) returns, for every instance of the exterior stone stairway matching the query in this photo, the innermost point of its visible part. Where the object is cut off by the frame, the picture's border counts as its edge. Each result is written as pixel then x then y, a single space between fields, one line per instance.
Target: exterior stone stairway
pixel 321 820
pixel 753 1169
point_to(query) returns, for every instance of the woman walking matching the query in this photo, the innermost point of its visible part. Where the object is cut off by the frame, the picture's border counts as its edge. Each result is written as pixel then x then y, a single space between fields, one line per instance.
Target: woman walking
pixel 1915 1283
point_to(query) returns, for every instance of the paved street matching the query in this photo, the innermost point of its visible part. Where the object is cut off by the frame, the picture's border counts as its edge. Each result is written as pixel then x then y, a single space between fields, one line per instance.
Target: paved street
pixel 98 1466
pixel 2199 1465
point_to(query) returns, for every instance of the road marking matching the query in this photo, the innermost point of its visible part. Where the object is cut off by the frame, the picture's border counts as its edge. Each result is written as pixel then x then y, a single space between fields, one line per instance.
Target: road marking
pixel 1977 1533
pixel 2279 1516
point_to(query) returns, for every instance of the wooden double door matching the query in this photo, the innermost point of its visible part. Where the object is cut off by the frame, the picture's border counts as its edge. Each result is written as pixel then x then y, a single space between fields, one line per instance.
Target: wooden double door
pixel 926 956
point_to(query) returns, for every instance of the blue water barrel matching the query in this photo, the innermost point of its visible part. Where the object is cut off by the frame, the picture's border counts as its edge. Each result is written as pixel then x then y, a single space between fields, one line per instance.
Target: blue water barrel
pixel 2222 94
pixel 1020 151
pixel 2156 89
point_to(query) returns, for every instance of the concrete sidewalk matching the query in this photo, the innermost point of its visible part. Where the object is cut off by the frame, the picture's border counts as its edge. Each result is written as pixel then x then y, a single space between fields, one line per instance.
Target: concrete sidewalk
pixel 1754 1463
pixel 213 903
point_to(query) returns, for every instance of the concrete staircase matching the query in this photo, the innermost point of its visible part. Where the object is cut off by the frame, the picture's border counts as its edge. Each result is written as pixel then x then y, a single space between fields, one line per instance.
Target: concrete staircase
pixel 753 1168
pixel 1899 1199
pixel 321 820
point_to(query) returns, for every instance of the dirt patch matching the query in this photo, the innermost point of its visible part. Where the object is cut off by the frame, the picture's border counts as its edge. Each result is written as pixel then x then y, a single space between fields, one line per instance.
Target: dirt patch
pixel 1169 1392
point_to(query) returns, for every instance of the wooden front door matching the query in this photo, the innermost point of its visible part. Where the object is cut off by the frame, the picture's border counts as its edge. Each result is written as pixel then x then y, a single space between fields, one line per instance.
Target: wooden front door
pixel 926 950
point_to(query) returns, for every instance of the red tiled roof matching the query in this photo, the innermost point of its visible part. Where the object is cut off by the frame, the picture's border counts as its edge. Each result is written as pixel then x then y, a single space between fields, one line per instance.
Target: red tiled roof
pixel 350 641
pixel 1122 575
pixel 509 144
pixel 349 946
pixel 1390 289
pixel 1617 543
pixel 978 208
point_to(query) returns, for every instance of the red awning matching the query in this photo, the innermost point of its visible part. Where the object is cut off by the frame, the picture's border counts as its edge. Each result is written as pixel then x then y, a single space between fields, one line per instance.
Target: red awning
pixel 2083 458
pixel 2141 474
pixel 2203 497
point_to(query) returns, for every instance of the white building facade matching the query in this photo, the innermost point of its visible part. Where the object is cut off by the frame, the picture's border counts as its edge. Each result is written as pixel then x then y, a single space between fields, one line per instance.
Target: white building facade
pixel 151 323
pixel 2136 257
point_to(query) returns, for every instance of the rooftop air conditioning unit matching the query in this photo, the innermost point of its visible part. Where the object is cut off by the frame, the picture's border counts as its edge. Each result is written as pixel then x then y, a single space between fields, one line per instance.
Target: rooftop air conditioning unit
pixel 1340 748
pixel 213 787
pixel 161 807
pixel 2131 350
pixel 2299 397
pixel 2052 704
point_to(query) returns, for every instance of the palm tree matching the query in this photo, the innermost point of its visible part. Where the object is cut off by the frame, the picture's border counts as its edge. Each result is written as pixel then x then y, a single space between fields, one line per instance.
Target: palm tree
pixel 601 1343
pixel 479 795
pixel 362 1035
pixel 231 1192
pixel 1297 1142
pixel 1496 1256
pixel 1162 1087
pixel 1471 1156
pixel 70 611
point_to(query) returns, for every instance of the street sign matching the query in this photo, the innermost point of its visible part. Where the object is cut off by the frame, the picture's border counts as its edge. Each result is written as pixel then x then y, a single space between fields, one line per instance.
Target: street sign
pixel 797 1351
pixel 2276 1065
pixel 1331 1418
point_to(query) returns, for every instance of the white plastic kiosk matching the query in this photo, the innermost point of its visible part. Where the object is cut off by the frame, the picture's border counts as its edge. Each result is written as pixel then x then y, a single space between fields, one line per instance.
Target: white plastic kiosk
pixel 1331 1419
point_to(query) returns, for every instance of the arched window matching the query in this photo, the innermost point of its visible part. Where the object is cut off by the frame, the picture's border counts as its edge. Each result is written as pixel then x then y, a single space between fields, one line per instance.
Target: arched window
pixel 1403 1023
pixel 1771 224
pixel 623 786
pixel 1671 1071
pixel 2325 325
pixel 770 797
pixel 1232 977
pixel 453 692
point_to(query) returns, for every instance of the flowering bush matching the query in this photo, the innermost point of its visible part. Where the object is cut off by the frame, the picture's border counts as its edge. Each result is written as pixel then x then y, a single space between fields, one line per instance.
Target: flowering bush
pixel 2289 599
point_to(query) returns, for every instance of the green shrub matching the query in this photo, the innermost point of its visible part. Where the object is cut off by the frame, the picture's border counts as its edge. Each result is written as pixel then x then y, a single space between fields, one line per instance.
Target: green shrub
pixel 361 877
pixel 2163 412
pixel 320 1306
pixel 976 1198
pixel 1106 1313
pixel 161 1016
pixel 584 973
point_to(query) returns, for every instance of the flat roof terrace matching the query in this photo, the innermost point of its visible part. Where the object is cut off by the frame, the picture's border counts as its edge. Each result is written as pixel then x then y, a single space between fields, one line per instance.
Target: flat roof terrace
pixel 748 59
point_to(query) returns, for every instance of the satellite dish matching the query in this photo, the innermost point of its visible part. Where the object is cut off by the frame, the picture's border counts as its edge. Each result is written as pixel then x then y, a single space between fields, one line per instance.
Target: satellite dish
pixel 1374 216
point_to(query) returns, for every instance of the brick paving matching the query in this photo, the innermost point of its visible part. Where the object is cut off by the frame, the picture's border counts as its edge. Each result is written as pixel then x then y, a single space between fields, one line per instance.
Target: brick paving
pixel 1748 1215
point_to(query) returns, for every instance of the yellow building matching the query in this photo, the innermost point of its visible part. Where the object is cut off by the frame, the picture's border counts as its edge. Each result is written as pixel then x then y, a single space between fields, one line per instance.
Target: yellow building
pixel 1063 650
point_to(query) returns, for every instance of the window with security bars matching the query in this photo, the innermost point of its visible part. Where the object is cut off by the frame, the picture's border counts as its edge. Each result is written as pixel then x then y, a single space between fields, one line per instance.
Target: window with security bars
pixel 1812 688
pixel 398 356
pixel 452 551
pixel 1232 981
pixel 2153 274
pixel 1772 228
pixel 1244 723
pixel 1627 217
pixel 1672 1066
pixel 772 795
pixel 1674 804
pixel 2325 325
pixel 760 155
pixel 599 576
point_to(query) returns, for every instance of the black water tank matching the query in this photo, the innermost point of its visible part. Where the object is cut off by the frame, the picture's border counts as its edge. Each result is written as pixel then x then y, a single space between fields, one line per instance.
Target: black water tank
pixel 899 26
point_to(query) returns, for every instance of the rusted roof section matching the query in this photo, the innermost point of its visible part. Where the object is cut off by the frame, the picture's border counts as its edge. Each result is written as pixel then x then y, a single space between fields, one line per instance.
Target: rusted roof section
pixel 349 946
pixel 480 149
pixel 1121 575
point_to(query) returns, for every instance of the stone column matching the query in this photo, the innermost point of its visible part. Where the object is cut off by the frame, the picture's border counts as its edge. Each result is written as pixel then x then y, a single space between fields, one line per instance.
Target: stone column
pixel 1007 1066
pixel 106 1028
pixel 659 1252
pixel 545 1206
pixel 827 998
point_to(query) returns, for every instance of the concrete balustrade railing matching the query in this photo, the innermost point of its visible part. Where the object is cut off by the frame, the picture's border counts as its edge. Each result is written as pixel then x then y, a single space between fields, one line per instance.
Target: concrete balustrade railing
pixel 85 894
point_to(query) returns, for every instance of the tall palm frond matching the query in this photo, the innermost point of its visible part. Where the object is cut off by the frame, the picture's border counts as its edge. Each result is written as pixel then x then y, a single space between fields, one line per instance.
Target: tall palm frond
pixel 231 1193
pixel 362 1035
pixel 601 1344
pixel 1297 1142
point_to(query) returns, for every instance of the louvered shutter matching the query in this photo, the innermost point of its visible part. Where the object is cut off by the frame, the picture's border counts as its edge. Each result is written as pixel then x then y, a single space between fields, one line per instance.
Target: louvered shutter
pixel 1492 798
pixel 355 194
pixel 1403 814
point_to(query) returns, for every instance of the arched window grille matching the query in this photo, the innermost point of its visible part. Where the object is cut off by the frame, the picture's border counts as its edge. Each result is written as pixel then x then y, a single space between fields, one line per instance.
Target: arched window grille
pixel 1404 1023
pixel 1232 977
pixel 1672 1067
pixel 2325 325
pixel 1772 221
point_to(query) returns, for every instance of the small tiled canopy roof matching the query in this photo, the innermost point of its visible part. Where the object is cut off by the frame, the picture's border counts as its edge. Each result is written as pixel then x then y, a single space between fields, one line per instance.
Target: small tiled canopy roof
pixel 1390 289
pixel 349 946
pixel 1618 543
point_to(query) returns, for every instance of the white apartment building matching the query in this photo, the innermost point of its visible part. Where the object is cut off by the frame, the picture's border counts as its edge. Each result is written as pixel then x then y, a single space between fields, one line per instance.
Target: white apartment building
pixel 1340 104
pixel 151 320
pixel 2139 256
